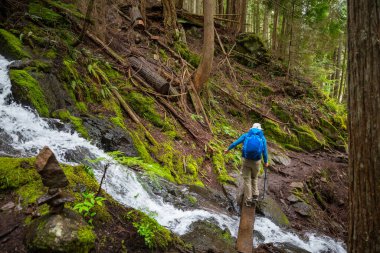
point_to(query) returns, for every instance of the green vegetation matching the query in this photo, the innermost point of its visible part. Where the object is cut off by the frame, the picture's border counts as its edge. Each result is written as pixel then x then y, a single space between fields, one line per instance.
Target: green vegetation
pixel 30 90
pixel 273 132
pixel 77 122
pixel 155 235
pixel 48 16
pixel 186 54
pixel 86 236
pixel 11 45
pixel 308 139
pixel 85 208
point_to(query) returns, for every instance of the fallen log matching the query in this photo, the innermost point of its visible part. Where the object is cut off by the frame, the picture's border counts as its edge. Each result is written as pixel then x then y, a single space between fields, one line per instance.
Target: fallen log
pixel 149 74
pixel 137 18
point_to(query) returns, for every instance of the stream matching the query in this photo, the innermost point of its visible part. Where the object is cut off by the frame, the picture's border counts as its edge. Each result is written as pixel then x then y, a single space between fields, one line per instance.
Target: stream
pixel 25 132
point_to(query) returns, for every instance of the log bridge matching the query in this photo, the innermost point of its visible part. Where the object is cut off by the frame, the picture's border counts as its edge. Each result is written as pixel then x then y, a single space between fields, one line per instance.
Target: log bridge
pixel 244 242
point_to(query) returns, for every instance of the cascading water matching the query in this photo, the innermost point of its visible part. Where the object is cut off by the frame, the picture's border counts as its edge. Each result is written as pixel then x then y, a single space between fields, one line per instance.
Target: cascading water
pixel 28 133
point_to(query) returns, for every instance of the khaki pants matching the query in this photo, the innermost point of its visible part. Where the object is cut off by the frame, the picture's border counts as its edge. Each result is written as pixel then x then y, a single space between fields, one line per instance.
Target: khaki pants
pixel 250 175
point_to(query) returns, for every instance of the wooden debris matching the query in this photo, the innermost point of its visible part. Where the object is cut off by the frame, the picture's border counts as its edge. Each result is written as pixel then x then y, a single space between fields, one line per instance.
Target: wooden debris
pixel 137 18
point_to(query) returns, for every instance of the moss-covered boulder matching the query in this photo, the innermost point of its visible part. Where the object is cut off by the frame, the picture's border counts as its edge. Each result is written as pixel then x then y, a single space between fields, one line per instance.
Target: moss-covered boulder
pixel 27 91
pixel 275 133
pixel 208 237
pixel 11 46
pixel 250 44
pixel 308 139
pixel 272 210
pixel 63 232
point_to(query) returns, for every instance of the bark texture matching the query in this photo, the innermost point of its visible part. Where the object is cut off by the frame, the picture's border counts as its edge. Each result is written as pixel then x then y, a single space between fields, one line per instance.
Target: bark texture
pixel 364 125
pixel 170 15
pixel 204 69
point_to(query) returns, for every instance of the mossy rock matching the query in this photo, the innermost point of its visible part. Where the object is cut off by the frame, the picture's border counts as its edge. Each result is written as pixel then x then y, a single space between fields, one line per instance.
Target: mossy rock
pixel 48 16
pixel 308 139
pixel 251 45
pixel 28 91
pixel 63 232
pixel 273 131
pixel 272 210
pixel 11 46
pixel 281 113
pixel 75 121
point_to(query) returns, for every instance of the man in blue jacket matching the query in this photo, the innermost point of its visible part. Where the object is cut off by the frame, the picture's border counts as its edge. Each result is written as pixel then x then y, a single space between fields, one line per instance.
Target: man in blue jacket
pixel 254 148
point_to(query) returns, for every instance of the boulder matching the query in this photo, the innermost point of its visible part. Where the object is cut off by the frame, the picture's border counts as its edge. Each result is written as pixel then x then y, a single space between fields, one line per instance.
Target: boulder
pixel 205 236
pixel 251 45
pixel 297 185
pixel 8 206
pixel 302 208
pixel 293 198
pixel 109 137
pixel 234 193
pixel 281 158
pixel 272 210
pixel 48 167
pixel 63 232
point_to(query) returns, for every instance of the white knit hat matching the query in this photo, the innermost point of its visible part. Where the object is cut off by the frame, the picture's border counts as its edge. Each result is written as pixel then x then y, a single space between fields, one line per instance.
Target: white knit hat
pixel 257 125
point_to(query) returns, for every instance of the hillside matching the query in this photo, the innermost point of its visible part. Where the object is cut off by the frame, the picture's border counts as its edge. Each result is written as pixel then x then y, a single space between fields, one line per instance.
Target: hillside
pixel 98 89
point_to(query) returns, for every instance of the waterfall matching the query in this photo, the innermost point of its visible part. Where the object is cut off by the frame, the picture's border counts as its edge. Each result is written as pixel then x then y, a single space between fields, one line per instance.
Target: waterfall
pixel 28 133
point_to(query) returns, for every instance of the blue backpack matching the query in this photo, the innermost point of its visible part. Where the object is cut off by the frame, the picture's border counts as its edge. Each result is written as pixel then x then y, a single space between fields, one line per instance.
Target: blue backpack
pixel 253 147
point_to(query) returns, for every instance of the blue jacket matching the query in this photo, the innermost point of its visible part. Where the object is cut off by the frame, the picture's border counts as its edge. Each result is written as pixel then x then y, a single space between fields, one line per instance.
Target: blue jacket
pixel 241 139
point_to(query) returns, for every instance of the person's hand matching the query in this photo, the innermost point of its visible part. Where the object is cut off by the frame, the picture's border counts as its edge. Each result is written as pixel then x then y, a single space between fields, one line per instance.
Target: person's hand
pixel 266 165
pixel 226 151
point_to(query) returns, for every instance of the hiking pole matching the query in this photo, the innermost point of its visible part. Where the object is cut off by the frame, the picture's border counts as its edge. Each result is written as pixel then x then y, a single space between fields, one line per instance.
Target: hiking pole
pixel 265 182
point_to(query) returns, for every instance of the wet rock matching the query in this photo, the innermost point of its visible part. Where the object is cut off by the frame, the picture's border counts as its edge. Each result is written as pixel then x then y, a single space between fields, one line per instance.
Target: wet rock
pixel 48 167
pixel 234 193
pixel 281 158
pixel 109 137
pixel 297 185
pixel 258 237
pixel 6 149
pixel 63 232
pixel 292 198
pixel 288 247
pixel 272 210
pixel 205 236
pixel 8 206
pixel 302 208
pixel 20 64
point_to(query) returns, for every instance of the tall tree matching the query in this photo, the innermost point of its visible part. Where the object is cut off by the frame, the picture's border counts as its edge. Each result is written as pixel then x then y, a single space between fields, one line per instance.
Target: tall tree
pixel 204 69
pixel 275 23
pixel 170 15
pixel 364 125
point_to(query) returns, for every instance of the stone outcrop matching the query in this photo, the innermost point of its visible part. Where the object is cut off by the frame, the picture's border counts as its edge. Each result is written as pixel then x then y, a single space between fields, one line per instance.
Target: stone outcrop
pixel 62 232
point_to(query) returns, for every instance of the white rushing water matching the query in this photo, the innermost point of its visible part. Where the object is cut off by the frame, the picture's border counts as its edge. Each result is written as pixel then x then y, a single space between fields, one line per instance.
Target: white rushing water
pixel 29 133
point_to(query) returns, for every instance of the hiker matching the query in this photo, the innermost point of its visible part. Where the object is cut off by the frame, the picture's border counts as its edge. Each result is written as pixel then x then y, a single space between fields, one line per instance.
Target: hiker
pixel 254 147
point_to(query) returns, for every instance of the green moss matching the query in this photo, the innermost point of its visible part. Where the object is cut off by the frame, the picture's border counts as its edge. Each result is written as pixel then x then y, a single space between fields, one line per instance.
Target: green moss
pixel 186 54
pixel 220 168
pixel 86 236
pixel 155 236
pixel 118 119
pixel 280 113
pixel 163 55
pixel 31 90
pixel 273 132
pixel 308 139
pixel 82 107
pixel 51 54
pixel 140 147
pixel 262 88
pixel 16 172
pixel 11 46
pixel 77 122
pixel 294 148
pixel 68 8
pixel 48 16
pixel 146 108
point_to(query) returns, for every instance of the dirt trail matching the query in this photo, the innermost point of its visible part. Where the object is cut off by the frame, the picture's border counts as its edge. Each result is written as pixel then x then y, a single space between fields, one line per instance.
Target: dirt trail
pixel 324 187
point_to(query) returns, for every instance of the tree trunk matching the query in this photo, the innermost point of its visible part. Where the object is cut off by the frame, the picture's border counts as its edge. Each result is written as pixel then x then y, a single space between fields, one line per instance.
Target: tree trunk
pixel 364 125
pixel 338 68
pixel 290 39
pixel 275 22
pixel 204 69
pixel 243 15
pixel 257 17
pixel 266 24
pixel 178 4
pixel 170 15
pixel 343 76
pixel 220 7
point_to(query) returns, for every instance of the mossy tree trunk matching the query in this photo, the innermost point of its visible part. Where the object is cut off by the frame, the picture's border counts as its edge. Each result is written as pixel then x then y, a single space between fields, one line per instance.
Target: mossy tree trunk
pixel 204 69
pixel 364 125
